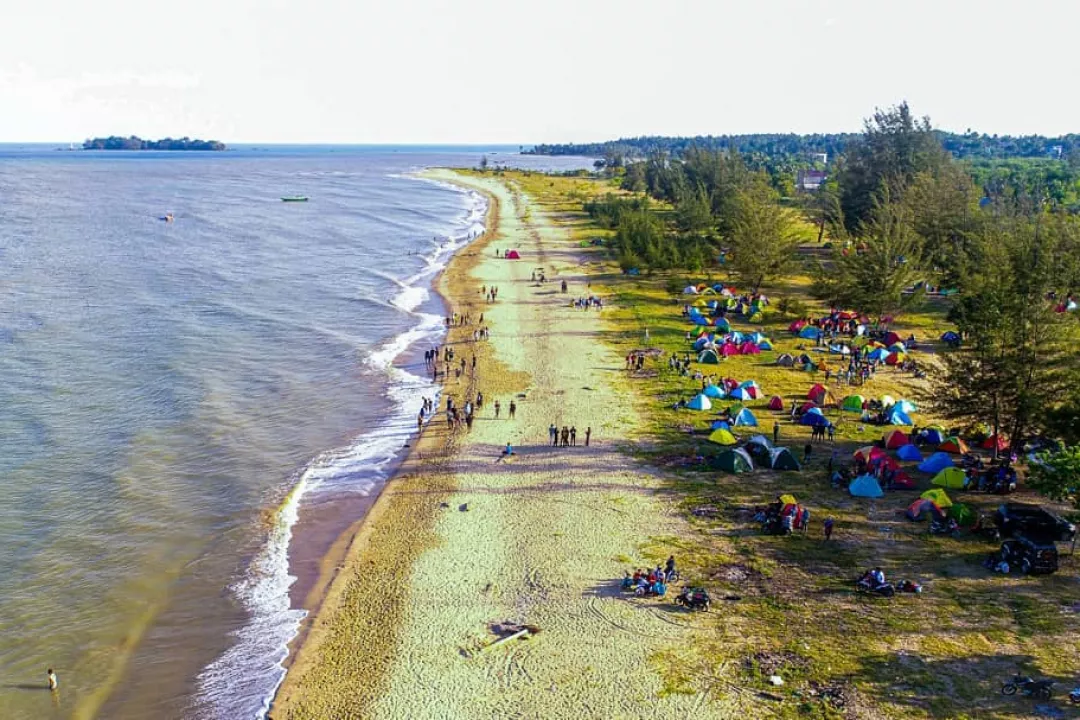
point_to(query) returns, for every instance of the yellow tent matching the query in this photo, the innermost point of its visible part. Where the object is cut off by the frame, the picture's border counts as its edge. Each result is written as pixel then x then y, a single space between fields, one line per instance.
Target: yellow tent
pixel 887 401
pixel 951 477
pixel 938 497
pixel 788 500
pixel 722 437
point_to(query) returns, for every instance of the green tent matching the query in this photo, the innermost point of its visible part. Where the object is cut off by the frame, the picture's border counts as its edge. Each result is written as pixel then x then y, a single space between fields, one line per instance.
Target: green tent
pixel 951 477
pixel 963 514
pixel 722 437
pixel 854 403
pixel 708 356
pixel 783 459
pixel 735 460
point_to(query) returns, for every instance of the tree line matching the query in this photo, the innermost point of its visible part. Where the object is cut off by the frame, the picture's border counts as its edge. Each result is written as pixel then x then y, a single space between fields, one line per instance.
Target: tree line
pixel 115 142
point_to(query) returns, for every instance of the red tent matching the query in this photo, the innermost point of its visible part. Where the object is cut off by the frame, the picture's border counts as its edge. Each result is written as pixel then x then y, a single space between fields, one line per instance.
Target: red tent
pixel 776 403
pixel 816 392
pixel 797 326
pixel 512 255
pixel 894 358
pixel 903 481
pixel 954 445
pixel 869 453
pixel 749 348
pixel 895 438
pixel 990 442
pixel 728 349
pixel 892 338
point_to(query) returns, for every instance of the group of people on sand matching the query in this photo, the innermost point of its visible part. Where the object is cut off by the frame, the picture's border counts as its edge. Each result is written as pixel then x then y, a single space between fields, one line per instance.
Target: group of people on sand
pixel 491 294
pixel 653 581
pixel 587 303
pixel 635 361
pixel 567 437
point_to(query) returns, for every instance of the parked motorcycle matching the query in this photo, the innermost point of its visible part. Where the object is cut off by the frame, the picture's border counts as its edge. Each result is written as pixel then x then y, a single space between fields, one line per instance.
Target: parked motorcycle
pixel 1029 687
pixel 693 599
pixel 866 587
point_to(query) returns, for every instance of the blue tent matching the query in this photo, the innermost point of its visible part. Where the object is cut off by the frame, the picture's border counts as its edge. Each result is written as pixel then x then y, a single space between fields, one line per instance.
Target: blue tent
pixel 909 453
pixel 896 416
pixel 736 337
pixel 699 319
pixel 936 463
pixel 933 436
pixel 721 324
pixel 700 402
pixel 758 338
pixel 720 425
pixel 702 341
pixel 814 419
pixel 865 486
pixel 714 391
pixel 810 333
pixel 741 394
pixel 906 406
pixel 878 354
pixel 765 345
pixel 951 338
pixel 745 417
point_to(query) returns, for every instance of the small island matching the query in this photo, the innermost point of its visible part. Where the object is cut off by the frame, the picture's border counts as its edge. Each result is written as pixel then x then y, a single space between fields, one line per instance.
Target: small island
pixel 115 142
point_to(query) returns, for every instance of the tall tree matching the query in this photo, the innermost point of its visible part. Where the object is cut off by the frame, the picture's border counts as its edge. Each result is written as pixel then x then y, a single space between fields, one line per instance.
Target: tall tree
pixel 877 275
pixel 764 237
pixel 894 147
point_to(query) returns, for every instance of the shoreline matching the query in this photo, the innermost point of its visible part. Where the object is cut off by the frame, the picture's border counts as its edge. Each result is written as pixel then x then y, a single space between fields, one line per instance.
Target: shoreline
pixel 429 448
pixel 462 540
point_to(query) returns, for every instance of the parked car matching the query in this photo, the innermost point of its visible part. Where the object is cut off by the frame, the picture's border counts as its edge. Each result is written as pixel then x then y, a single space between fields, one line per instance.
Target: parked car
pixel 1014 519
pixel 1031 556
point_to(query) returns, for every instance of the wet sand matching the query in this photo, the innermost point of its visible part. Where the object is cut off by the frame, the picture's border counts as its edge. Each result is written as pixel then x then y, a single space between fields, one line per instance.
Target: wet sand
pixel 545 537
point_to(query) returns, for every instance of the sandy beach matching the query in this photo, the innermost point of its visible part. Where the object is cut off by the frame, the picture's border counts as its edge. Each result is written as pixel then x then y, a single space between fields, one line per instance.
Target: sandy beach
pixel 543 540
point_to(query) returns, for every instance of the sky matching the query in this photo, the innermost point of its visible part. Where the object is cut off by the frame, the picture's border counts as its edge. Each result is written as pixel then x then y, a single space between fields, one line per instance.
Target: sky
pixel 524 71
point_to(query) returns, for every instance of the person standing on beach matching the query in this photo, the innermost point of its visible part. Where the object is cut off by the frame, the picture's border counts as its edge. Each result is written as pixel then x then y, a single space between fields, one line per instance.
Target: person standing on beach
pixel 588 432
pixel 565 436
pixel 827 528
pixel 553 433
pixel 775 432
pixel 420 422
pixel 513 409
pixel 498 407
pixel 51 676
pixel 573 436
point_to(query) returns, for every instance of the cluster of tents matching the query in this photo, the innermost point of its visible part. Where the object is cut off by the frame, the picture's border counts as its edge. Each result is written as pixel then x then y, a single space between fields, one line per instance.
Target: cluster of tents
pixel 897 412
pixel 758 451
pixel 710 347
pixel 725 299
pixel 936 504
pixel 727 389
pixel 939 464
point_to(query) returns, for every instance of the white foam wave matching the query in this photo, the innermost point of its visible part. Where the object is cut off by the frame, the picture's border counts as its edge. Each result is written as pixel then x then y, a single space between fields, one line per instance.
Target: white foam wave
pixel 243 681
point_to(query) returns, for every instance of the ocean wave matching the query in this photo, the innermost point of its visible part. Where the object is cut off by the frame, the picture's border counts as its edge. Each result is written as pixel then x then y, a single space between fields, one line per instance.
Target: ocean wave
pixel 242 682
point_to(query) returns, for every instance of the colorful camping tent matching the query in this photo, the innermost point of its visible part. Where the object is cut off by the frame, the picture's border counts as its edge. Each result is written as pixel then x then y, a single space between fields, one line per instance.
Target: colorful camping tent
pixel 964 515
pixel 797 326
pixel 814 392
pixel 902 481
pixel 937 496
pixel 954 445
pixel 735 460
pixel 813 417
pixel 853 403
pixel 689 290
pixel 719 425
pixel 785 360
pixel 894 358
pixel 741 393
pixel 894 439
pixel 909 453
pixel 699 402
pixel 722 436
pixel 896 416
pixel 869 453
pixel 887 401
pixel 952 478
pixel 923 507
pixel 512 255
pixel 722 324
pixel 783 459
pixel 746 418
pixel 810 333
pixel 709 357
pixel 865 486
pixel 713 391
pixel 1001 443
pixel 906 406
pixel 933 435
pixel 759 447
pixel 776 403
pixel 936 463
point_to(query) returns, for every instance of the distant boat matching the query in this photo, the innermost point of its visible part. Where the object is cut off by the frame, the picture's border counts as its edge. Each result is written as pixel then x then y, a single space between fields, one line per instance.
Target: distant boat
pixel 295 198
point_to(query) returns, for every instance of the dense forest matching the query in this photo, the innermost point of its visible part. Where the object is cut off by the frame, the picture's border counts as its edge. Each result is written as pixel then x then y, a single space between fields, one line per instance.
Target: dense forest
pixel 901 214
pixel 967 145
pixel 114 142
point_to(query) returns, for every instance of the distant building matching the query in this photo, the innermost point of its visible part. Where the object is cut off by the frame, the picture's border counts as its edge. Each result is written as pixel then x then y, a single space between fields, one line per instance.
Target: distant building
pixel 822 158
pixel 1056 151
pixel 810 180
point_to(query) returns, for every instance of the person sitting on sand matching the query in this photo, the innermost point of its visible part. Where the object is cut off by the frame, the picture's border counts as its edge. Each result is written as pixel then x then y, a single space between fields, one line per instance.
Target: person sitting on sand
pixel 659 587
pixel 508 451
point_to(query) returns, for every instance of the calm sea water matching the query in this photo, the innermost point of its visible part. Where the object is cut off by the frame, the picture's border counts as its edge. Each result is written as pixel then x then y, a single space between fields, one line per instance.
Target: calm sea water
pixel 174 393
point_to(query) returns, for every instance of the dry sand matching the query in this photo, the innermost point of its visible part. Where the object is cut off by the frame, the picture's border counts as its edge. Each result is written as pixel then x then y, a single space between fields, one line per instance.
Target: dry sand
pixel 544 540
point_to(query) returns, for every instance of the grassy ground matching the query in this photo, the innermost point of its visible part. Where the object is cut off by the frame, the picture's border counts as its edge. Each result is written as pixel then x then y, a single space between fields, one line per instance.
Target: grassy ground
pixel 785 605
